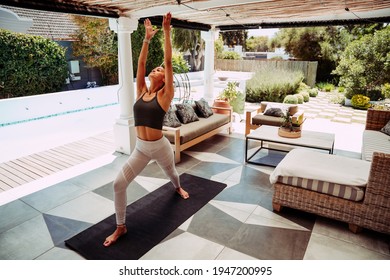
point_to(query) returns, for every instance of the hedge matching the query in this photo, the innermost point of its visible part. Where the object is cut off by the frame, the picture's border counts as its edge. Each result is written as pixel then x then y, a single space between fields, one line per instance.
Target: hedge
pixel 30 65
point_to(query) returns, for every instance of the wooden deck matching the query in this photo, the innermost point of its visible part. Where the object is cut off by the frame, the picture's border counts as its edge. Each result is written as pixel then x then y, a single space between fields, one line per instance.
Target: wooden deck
pixel 23 170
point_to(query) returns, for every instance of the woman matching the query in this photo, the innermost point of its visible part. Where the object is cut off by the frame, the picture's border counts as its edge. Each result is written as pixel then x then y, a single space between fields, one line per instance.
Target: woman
pixel 149 110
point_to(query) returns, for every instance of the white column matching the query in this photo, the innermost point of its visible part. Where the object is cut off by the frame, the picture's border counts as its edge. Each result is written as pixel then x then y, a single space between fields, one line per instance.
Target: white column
pixel 209 38
pixel 124 130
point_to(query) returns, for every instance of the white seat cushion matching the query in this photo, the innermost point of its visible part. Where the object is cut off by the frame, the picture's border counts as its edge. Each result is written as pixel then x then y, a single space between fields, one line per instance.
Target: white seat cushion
pixel 374 141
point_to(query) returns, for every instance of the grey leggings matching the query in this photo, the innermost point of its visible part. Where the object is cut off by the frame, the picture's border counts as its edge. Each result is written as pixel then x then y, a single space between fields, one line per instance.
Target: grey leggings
pixel 159 150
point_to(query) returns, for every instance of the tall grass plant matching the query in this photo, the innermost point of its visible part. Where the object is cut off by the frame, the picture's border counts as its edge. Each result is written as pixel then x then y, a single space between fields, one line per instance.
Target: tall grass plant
pixel 272 84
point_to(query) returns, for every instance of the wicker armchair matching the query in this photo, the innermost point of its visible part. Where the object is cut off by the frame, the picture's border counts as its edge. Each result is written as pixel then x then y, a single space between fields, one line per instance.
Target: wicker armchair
pixel 371 213
pixel 376 119
pixel 373 139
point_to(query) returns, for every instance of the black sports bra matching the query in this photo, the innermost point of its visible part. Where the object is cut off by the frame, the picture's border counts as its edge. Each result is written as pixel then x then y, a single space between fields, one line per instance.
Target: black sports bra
pixel 148 113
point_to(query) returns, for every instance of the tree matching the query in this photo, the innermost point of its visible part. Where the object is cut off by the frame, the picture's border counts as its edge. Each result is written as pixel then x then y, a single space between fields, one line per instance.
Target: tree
pixel 235 38
pixel 358 31
pixel 98 47
pixel 365 64
pixel 155 53
pixel 257 44
pixel 322 44
pixel 187 40
pixel 218 47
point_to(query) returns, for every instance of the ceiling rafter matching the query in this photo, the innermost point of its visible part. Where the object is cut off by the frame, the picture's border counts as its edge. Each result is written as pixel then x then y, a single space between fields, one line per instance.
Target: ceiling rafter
pixel 226 14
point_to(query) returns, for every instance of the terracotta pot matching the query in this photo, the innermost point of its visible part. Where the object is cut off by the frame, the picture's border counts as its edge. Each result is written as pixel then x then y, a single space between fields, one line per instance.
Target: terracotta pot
pixel 222 104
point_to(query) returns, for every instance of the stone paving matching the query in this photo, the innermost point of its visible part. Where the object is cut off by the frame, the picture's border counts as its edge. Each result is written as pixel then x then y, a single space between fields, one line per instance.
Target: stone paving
pixel 322 108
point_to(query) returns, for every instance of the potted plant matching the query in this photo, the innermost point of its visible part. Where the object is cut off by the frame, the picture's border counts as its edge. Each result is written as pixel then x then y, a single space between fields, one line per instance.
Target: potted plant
pixel 291 126
pixel 229 98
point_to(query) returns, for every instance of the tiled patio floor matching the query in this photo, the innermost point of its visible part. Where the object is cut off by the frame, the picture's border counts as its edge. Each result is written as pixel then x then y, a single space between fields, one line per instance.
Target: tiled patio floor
pixel 238 224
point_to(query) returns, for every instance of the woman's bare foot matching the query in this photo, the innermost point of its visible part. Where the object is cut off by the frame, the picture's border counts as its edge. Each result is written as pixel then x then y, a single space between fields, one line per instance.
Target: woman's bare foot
pixel 120 230
pixel 182 193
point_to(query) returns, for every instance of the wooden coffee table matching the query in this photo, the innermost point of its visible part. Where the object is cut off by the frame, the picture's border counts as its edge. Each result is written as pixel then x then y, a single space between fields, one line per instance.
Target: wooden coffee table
pixel 269 134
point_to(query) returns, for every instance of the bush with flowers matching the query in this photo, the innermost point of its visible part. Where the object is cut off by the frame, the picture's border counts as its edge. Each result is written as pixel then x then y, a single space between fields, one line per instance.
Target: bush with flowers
pixel 360 101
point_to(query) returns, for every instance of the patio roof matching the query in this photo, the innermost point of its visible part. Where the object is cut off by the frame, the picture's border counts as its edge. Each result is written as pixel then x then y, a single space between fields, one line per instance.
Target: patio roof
pixel 226 14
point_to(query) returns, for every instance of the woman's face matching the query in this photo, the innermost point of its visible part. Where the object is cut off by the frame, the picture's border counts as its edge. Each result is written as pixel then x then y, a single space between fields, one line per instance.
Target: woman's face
pixel 157 73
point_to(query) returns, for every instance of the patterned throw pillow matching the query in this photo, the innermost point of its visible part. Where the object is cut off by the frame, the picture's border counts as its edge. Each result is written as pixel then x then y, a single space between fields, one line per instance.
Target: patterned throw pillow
pixel 274 112
pixel 203 108
pixel 186 113
pixel 386 128
pixel 171 119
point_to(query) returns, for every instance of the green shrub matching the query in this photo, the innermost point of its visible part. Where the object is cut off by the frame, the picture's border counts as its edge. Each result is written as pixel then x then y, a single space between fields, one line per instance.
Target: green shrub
pixel 386 90
pixel 179 64
pixel 349 93
pixel 276 58
pixel 364 64
pixel 306 96
pixel 303 87
pixel 341 89
pixel 271 84
pixel 313 92
pixel 328 87
pixel 291 99
pixel 374 94
pixel 360 101
pixel 231 55
pixel 300 98
pixel 30 65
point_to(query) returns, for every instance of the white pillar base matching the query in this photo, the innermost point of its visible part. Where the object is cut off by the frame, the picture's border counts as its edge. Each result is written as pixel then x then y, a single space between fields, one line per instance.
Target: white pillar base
pixel 125 136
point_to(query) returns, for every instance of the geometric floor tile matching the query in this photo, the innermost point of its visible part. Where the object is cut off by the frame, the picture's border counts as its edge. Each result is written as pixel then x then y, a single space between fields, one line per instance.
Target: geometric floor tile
pixel 210 157
pixel 265 217
pixel 230 254
pixel 237 224
pixel 61 228
pixel 214 225
pixel 150 183
pixel 185 246
pixel 231 176
pixel 239 211
pixel 26 241
pixel 270 243
pixel 57 253
pixel 89 208
pixel 322 247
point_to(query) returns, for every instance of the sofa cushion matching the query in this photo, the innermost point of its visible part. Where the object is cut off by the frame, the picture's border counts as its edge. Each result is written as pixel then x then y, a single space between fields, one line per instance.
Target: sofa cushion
pixel 374 141
pixel 353 193
pixel 339 176
pixel 192 130
pixel 305 163
pixel 170 118
pixel 386 128
pixel 186 113
pixel 261 119
pixel 204 108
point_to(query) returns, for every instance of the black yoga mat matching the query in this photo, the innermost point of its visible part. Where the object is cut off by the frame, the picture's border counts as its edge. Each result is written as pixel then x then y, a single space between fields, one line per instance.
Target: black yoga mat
pixel 149 220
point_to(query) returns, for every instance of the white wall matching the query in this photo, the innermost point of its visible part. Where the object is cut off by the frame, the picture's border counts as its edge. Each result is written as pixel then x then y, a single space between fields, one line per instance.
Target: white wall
pixel 20 109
